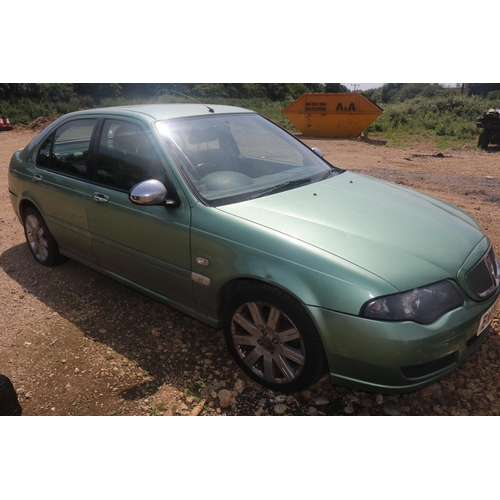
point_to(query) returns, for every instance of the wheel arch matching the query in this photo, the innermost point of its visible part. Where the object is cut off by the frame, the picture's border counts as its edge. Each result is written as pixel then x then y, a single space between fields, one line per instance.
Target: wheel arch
pixel 236 284
pixel 24 204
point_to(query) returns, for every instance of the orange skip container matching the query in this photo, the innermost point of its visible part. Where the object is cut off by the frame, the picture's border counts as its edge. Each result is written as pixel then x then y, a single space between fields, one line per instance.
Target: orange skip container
pixel 332 115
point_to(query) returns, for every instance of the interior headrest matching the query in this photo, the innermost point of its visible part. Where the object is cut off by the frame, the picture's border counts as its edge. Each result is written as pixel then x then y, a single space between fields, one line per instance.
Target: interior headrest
pixel 206 134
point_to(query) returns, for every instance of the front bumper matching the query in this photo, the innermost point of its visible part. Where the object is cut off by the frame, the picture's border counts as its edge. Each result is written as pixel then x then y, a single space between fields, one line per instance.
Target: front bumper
pixel 398 357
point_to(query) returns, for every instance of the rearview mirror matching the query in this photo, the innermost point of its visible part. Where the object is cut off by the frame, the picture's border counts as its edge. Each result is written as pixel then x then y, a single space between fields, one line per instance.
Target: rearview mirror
pixel 317 151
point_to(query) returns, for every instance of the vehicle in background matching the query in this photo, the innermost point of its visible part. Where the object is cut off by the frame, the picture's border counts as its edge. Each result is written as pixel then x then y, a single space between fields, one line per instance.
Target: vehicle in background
pixel 489 122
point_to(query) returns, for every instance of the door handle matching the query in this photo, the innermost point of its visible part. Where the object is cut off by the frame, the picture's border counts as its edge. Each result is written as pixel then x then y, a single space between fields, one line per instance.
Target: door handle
pixel 100 198
pixel 36 178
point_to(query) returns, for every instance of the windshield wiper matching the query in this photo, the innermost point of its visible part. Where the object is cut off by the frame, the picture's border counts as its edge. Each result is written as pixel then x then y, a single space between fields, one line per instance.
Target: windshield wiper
pixel 278 187
pixel 328 174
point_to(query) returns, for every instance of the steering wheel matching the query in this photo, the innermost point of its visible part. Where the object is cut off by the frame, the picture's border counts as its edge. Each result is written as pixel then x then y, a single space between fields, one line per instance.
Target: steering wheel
pixel 204 168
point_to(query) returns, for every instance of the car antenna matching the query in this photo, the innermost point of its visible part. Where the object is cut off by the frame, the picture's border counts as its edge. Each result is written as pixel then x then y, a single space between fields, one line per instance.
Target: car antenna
pixel 193 99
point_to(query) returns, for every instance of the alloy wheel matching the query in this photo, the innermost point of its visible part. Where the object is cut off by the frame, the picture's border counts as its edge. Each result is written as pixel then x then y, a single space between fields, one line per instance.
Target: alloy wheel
pixel 268 342
pixel 37 241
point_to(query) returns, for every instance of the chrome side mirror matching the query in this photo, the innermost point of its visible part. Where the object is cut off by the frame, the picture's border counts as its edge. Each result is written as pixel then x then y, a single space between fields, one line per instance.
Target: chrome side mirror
pixel 317 151
pixel 151 192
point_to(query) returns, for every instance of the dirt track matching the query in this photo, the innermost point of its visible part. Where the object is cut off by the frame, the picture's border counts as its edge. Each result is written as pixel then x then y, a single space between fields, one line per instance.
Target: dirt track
pixel 76 343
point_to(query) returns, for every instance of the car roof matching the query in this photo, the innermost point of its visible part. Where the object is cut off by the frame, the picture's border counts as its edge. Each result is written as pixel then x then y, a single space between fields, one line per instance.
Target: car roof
pixel 144 112
pixel 167 111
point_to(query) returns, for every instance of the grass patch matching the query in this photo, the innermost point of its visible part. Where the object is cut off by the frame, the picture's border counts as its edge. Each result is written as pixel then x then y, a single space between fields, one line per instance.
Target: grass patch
pixel 446 121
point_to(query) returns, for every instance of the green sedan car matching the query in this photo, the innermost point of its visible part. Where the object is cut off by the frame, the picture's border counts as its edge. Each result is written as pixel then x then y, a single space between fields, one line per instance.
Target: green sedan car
pixel 223 215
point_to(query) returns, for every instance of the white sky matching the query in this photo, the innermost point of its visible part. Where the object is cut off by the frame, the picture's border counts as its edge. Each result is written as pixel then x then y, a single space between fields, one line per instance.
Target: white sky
pixel 362 86
pixel 367 86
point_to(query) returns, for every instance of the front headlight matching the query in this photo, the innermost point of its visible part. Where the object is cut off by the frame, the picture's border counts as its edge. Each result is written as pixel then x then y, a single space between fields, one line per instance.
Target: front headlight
pixel 422 305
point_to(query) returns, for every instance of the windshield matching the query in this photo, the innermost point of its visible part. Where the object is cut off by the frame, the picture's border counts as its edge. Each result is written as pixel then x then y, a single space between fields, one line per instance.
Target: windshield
pixel 235 157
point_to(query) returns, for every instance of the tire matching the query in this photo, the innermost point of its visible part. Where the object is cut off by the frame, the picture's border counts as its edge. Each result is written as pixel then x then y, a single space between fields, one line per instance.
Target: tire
pixel 42 245
pixel 484 139
pixel 9 405
pixel 273 339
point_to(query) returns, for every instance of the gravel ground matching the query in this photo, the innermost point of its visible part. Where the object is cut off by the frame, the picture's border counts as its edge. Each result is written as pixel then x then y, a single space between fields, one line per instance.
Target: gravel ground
pixel 74 342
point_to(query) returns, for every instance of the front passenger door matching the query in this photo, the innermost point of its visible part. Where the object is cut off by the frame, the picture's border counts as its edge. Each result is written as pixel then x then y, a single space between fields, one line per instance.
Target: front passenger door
pixel 148 245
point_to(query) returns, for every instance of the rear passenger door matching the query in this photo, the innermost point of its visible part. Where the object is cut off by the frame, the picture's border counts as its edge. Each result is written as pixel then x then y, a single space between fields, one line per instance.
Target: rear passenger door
pixel 62 167
pixel 148 245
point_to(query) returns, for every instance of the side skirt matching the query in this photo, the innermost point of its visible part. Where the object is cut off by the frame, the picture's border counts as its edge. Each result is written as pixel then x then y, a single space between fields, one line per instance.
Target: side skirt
pixel 212 322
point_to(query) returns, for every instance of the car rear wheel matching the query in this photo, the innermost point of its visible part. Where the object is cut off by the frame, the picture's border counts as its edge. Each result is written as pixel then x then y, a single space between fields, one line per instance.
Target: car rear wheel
pixel 273 339
pixel 40 242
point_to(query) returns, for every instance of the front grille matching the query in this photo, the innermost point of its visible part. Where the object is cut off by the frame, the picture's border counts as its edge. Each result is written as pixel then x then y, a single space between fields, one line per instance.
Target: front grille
pixel 484 277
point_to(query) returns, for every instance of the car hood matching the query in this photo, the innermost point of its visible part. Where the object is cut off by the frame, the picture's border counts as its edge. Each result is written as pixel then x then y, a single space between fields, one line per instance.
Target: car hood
pixel 405 237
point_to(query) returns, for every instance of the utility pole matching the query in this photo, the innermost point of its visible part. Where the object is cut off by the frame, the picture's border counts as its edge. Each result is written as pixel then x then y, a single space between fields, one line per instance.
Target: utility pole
pixel 354 86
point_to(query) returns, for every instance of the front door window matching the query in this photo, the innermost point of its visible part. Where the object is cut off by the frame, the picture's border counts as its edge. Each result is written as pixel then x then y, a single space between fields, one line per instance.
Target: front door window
pixel 126 156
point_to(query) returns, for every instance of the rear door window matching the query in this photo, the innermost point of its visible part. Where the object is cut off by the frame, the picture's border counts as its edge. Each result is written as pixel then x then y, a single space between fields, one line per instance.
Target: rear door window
pixel 67 150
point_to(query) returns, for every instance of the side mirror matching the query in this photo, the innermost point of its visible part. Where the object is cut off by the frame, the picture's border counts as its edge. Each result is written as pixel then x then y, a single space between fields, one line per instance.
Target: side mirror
pixel 318 151
pixel 151 192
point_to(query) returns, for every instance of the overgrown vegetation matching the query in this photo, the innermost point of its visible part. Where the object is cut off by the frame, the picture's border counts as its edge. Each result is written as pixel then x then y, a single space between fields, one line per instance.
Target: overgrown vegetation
pixel 416 112
pixel 24 102
pixel 449 118
pixel 412 111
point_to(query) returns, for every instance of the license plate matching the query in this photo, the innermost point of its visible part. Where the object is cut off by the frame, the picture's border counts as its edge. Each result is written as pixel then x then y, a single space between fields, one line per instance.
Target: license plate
pixel 488 316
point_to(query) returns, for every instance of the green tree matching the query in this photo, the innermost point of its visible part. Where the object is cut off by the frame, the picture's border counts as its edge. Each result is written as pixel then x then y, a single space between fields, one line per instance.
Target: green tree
pixel 482 89
pixel 335 87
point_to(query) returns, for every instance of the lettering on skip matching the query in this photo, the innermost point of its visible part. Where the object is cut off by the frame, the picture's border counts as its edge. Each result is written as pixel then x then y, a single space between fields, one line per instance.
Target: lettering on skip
pixel 342 108
pixel 321 106
pixel 315 106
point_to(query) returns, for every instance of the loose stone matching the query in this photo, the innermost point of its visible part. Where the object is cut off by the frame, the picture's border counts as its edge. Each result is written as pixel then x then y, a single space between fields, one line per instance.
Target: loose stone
pixel 306 395
pixel 392 410
pixel 367 403
pixel 239 386
pixel 280 409
pixel 321 401
pixel 226 399
pixel 353 398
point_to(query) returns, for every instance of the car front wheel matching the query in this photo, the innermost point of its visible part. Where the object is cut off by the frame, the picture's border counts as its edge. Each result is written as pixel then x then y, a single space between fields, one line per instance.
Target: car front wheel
pixel 40 242
pixel 273 339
